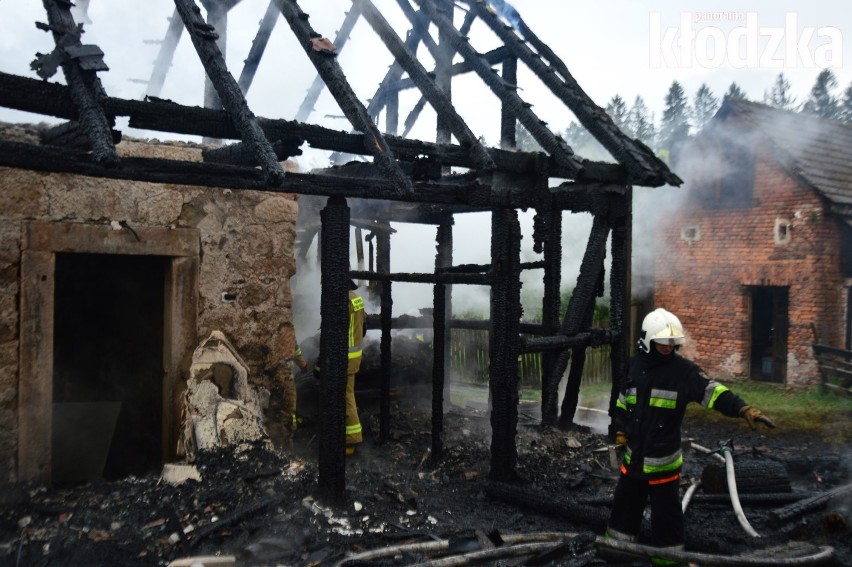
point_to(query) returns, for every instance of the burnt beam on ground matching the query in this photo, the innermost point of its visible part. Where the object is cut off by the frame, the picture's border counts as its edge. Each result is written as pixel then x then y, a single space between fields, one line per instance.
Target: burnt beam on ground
pixel 551 143
pixel 334 346
pixel 436 97
pixel 79 65
pixel 316 87
pixel 204 39
pixel 337 84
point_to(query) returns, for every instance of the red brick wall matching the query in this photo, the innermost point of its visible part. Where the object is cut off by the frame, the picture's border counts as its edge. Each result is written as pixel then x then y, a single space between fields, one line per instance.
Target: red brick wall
pixel 702 282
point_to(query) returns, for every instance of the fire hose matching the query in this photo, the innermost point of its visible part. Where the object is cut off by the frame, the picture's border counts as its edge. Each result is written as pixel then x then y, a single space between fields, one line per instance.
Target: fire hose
pixel 688 495
pixel 532 543
pixel 732 490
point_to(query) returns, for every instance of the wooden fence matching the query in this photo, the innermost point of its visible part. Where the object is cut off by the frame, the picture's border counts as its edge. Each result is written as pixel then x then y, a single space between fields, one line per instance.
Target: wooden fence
pixel 469 361
pixel 835 367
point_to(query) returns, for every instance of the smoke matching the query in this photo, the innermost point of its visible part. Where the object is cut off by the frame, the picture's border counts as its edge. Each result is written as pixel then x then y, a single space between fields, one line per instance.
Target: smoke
pixel 507 12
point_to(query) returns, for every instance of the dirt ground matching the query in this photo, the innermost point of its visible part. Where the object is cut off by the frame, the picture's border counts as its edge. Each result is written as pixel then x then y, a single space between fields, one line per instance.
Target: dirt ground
pixel 264 508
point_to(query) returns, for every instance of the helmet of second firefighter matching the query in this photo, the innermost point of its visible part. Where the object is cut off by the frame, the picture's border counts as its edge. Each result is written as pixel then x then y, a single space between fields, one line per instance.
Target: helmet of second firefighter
pixel 661 326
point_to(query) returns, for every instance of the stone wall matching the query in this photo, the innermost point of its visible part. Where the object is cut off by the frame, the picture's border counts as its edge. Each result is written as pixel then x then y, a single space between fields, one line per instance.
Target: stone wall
pixel 703 281
pixel 246 262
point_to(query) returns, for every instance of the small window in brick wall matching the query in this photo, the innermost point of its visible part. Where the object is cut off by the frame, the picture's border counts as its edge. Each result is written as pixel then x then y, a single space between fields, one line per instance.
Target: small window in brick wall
pixel 783 231
pixel 690 233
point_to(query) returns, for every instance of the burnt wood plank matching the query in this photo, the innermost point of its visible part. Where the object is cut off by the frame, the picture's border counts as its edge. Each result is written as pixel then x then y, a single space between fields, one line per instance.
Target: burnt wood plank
pixel 337 84
pixel 165 55
pixel 258 46
pixel 436 97
pixel 84 86
pixel 204 39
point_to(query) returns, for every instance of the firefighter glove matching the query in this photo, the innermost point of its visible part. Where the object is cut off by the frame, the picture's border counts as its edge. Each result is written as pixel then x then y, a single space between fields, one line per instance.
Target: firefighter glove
pixel 752 415
pixel 621 438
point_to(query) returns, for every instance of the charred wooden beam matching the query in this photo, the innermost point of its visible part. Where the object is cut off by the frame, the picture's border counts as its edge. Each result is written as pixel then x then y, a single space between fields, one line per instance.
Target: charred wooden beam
pixel 439 100
pixel 503 347
pixel 592 337
pixel 473 279
pixel 84 86
pixel 493 57
pixel 551 143
pixel 258 46
pixel 582 299
pixel 165 56
pixel 418 20
pixel 383 264
pixel 334 303
pixel 401 322
pixel 335 80
pixel 412 117
pixel 620 293
pixel 507 117
pixel 53 99
pixel 72 135
pixel 316 87
pixel 442 305
pixel 204 39
pixel 240 154
pixel 217 25
pixel 571 395
pixel 633 154
pixel 817 502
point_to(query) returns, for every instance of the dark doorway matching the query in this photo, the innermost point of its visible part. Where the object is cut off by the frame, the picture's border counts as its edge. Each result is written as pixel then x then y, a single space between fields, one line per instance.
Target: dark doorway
pixel 769 326
pixel 108 366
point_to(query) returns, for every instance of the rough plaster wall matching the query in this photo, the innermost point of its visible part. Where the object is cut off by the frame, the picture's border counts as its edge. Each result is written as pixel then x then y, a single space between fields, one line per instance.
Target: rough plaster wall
pixel 247 240
pixel 703 282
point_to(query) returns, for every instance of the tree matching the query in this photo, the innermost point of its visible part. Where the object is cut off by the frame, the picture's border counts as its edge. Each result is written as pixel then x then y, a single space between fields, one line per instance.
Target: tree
pixel 846 105
pixel 524 140
pixel 820 101
pixel 779 96
pixel 617 110
pixel 734 91
pixel 674 127
pixel 704 106
pixel 641 124
pixel 577 136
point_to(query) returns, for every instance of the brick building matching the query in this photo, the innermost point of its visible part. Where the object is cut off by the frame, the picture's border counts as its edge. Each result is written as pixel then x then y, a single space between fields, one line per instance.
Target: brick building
pixel 756 259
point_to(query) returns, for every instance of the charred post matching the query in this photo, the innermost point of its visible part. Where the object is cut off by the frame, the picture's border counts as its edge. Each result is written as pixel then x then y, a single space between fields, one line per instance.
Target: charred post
pixel 334 309
pixel 386 298
pixel 507 117
pixel 503 347
pixel 620 286
pixel 440 337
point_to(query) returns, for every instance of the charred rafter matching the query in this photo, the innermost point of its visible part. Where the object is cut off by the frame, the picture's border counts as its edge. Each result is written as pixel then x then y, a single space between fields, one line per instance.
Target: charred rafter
pixel 439 101
pixel 335 80
pixel 634 155
pixel 165 55
pixel 84 86
pixel 258 46
pixel 204 39
pixel 551 143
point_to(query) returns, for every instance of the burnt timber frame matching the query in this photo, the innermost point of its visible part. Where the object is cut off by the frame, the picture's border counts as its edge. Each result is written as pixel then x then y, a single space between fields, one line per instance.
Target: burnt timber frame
pixel 409 180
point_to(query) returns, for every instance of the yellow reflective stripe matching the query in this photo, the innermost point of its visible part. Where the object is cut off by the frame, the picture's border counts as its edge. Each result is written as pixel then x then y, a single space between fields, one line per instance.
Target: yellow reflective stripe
pixel 620 404
pixel 652 469
pixel 298 352
pixel 351 330
pixel 711 393
pixel 662 403
pixel 355 353
pixel 353 429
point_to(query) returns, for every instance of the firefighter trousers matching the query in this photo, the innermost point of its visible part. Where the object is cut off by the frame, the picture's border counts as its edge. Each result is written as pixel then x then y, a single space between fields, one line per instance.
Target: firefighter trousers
pixel 628 506
pixel 353 424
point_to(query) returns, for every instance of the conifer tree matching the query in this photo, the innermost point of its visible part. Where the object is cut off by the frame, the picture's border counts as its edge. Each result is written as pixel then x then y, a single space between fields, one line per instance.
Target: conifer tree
pixel 820 101
pixel 846 105
pixel 642 124
pixel 779 96
pixel 704 106
pixel 734 91
pixel 617 110
pixel 674 126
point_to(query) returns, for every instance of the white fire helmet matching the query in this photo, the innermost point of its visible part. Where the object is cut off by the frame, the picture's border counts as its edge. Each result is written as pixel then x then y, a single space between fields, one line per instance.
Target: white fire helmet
pixel 661 326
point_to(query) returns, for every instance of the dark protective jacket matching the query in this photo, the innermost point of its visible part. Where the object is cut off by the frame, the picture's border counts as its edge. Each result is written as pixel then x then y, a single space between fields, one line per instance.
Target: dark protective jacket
pixel 651 407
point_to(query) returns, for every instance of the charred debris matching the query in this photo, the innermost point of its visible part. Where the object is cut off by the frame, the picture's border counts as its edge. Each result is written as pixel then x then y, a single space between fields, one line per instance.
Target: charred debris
pixel 407 180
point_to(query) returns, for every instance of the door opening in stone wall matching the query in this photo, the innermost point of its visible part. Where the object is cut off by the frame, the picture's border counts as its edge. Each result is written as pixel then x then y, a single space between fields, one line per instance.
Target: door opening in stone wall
pixel 769 328
pixel 108 366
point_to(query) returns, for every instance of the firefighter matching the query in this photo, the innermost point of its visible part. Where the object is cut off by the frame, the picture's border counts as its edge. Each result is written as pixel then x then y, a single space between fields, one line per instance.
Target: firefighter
pixel 291 418
pixel 357 330
pixel 648 416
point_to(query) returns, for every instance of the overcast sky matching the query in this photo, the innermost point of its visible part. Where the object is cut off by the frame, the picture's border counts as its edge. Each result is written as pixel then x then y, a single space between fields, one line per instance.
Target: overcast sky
pixel 625 47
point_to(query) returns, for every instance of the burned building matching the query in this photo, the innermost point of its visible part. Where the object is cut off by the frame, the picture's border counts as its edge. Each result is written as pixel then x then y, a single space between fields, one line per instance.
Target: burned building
pixel 755 257
pixel 118 256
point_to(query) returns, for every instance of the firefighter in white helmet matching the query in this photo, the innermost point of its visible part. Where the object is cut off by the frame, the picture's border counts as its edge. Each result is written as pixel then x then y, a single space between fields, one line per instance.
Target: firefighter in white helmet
pixel 648 416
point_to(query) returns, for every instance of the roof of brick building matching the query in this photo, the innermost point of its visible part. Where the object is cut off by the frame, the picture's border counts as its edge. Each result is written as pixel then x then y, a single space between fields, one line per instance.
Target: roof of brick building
pixel 817 150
